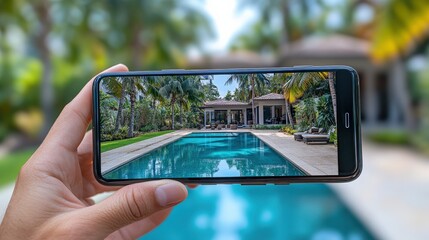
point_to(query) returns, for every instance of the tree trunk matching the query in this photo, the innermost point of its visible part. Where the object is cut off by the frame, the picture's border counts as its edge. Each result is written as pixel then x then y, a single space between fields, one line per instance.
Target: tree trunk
pixel 132 108
pixel 172 113
pixel 154 114
pixel 333 94
pixel 287 25
pixel 181 113
pixel 289 114
pixel 46 87
pixel 120 108
pixel 252 81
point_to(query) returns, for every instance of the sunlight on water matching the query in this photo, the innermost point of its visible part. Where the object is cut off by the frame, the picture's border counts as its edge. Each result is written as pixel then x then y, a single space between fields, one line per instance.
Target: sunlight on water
pixel 305 211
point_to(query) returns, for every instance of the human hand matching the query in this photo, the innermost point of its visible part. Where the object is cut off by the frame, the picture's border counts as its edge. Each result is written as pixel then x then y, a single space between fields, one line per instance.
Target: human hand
pixel 52 194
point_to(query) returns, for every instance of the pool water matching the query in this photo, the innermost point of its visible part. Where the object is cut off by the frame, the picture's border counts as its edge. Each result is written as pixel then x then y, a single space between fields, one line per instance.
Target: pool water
pixel 208 155
pixel 233 212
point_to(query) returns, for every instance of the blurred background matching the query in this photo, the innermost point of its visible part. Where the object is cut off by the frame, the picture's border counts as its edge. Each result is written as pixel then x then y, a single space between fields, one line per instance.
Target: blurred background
pixel 50 49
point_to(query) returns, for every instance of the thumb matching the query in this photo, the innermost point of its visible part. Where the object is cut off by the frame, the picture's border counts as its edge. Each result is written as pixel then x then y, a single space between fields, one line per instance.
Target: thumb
pixel 132 203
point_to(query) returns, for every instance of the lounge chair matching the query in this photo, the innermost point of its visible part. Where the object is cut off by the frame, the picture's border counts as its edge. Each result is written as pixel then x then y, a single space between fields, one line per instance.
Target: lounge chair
pixel 298 135
pixel 233 126
pixel 315 138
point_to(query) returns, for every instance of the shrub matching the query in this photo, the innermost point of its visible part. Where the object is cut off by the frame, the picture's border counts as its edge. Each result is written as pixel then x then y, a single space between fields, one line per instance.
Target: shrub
pixel 306 113
pixel 325 112
pixel 177 126
pixel 269 127
pixel 289 130
pixel 122 133
pixel 333 136
pixel 391 137
pixel 106 137
pixel 149 128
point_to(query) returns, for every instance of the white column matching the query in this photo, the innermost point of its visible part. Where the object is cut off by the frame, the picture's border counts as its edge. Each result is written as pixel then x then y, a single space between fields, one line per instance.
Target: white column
pixel 245 115
pixel 370 97
pixel 205 117
pixel 272 114
pixel 398 96
pixel 228 116
pixel 261 114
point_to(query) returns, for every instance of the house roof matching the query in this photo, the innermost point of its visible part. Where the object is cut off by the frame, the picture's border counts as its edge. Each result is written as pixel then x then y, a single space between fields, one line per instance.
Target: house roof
pixel 232 103
pixel 237 59
pixel 223 102
pixel 271 96
pixel 335 45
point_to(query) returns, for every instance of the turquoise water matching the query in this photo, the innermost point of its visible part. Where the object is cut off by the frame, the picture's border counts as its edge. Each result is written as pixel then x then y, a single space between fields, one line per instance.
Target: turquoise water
pixel 208 155
pixel 233 212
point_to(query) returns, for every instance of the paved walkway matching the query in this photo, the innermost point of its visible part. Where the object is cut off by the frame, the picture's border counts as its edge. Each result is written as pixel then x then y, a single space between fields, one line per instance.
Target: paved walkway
pixel 118 156
pixel 313 159
pixel 391 197
pixel 5 195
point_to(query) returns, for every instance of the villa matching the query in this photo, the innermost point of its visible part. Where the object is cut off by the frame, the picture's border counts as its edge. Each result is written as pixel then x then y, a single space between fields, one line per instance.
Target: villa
pixel 269 109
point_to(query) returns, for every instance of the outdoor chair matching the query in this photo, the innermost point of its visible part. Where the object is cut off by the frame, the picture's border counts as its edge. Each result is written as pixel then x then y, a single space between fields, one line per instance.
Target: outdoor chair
pixel 298 135
pixel 315 138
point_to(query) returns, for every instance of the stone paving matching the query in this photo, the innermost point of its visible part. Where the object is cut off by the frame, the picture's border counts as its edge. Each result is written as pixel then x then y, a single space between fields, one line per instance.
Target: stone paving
pixel 392 194
pixel 118 156
pixel 313 159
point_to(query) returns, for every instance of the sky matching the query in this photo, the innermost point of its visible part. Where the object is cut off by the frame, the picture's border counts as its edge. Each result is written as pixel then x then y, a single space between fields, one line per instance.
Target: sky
pixel 228 21
pixel 219 81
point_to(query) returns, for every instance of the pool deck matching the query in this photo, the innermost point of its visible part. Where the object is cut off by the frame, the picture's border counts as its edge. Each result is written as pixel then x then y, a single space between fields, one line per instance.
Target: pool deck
pixel 391 195
pixel 312 159
pixel 118 156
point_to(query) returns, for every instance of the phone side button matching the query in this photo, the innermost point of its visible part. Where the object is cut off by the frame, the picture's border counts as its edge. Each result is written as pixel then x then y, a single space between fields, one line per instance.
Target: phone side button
pixel 347 120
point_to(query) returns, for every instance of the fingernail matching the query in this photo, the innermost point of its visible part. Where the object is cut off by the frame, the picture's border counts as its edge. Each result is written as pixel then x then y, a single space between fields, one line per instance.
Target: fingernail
pixel 169 194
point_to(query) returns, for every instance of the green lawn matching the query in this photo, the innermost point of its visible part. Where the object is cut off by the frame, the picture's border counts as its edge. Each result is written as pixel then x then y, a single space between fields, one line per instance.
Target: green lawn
pixel 12 163
pixel 106 146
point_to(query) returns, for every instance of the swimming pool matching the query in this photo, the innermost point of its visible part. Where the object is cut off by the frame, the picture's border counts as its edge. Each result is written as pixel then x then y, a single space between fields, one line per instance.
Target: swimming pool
pixel 297 211
pixel 218 154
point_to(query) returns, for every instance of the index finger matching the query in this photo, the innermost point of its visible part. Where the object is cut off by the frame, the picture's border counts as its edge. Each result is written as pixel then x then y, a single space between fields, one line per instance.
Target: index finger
pixel 70 126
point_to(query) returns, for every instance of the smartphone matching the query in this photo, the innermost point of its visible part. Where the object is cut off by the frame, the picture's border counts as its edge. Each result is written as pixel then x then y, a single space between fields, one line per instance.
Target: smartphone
pixel 244 126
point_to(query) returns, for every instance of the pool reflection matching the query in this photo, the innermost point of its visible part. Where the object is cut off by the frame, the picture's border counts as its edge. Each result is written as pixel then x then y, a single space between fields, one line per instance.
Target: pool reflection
pixel 302 211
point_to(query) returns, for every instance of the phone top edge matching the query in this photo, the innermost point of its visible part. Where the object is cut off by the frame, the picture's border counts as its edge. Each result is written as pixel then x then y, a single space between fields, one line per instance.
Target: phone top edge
pixel 226 71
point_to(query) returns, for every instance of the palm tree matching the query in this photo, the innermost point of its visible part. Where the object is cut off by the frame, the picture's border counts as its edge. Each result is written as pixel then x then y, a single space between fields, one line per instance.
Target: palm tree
pixel 155 34
pixel 277 85
pixel 134 85
pixel 171 89
pixel 210 90
pixel 192 93
pixel 400 30
pixel 116 88
pixel 331 80
pixel 299 82
pixel 295 21
pixel 400 27
pixel 257 81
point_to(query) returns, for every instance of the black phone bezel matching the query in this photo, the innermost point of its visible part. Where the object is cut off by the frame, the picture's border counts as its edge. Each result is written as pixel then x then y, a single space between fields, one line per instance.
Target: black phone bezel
pixel 349 139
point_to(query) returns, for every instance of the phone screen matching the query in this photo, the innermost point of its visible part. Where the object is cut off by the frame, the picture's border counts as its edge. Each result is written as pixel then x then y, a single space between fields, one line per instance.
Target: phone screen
pixel 270 124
